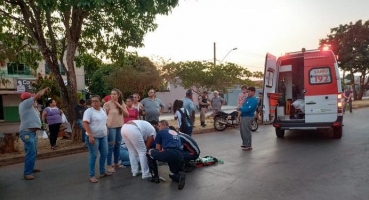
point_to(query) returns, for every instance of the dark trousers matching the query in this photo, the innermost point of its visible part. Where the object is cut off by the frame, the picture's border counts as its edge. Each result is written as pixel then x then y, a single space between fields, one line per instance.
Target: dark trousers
pixel 174 158
pixel 54 130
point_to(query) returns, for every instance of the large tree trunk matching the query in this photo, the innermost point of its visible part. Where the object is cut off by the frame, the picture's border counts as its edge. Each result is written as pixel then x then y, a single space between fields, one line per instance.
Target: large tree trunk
pixel 72 82
pixel 7 142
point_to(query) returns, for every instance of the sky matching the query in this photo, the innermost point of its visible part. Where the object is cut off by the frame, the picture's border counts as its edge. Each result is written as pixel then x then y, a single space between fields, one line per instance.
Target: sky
pixel 254 27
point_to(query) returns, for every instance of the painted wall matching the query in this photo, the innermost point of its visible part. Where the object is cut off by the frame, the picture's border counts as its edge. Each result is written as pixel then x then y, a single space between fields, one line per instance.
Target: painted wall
pixel 10 107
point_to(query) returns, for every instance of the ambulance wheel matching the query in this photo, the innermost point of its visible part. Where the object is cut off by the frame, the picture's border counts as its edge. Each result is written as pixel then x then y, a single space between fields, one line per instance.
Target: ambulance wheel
pixel 337 132
pixel 279 132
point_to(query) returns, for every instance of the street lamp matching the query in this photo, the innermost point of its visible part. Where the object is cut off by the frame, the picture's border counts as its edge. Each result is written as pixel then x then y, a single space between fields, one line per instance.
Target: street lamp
pixel 228 54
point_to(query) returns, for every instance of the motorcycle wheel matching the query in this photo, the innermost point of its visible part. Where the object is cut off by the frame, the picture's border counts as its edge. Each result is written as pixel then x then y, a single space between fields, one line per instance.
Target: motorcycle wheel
pixel 254 125
pixel 220 123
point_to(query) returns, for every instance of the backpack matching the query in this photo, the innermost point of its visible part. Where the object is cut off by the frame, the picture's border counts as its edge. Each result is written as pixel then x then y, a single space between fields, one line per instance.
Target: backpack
pixel 186 123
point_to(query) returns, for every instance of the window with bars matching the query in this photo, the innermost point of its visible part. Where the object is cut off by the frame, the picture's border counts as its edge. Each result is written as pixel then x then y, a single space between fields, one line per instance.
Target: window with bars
pixel 18 69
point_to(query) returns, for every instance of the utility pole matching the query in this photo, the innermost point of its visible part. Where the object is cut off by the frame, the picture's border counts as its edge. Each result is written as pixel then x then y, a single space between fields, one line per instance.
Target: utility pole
pixel 215 57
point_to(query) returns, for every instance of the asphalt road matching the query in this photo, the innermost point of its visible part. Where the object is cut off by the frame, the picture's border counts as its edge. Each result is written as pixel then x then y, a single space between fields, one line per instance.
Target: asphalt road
pixel 303 165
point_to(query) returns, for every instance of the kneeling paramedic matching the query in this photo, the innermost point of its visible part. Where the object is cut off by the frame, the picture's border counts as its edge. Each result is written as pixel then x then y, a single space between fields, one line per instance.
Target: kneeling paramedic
pixel 169 150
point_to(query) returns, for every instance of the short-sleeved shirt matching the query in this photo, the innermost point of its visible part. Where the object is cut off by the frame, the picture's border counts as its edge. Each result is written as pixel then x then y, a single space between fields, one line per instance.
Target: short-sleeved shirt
pixel 29 118
pixel 53 115
pixel 132 115
pixel 217 102
pixel 145 128
pixel 203 100
pixel 97 121
pixel 348 95
pixel 188 104
pixel 152 108
pixel 115 119
pixel 179 116
pixel 168 138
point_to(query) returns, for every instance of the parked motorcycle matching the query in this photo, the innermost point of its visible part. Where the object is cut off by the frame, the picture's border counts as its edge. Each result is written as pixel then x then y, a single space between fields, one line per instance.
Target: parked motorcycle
pixel 223 120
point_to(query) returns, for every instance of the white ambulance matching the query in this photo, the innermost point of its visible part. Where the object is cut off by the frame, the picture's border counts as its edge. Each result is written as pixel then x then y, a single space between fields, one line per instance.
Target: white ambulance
pixel 302 91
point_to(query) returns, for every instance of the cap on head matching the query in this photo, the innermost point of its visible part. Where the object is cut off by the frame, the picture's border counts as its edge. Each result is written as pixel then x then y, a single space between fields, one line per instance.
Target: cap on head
pixel 26 95
pixel 189 92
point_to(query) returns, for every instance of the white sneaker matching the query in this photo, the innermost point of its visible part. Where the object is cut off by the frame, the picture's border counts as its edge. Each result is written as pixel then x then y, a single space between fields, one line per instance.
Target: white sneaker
pixel 146 176
pixel 135 174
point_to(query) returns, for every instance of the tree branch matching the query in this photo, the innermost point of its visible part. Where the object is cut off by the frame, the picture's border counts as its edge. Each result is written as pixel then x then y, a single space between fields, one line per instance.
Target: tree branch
pixel 64 47
pixel 51 32
pixel 11 16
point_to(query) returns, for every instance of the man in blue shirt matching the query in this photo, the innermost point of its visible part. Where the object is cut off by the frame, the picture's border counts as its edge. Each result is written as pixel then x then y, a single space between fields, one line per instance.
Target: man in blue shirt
pixel 169 150
pixel 189 105
pixel 247 115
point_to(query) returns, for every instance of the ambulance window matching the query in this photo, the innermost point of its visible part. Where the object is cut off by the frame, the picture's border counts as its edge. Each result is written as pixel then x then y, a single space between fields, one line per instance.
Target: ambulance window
pixel 269 78
pixel 320 75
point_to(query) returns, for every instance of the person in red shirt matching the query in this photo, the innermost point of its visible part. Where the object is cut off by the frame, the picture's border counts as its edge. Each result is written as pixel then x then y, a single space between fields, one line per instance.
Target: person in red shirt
pixel 132 111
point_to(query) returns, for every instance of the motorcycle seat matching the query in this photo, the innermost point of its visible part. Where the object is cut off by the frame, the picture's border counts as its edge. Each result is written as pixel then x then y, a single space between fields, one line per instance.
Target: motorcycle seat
pixel 226 113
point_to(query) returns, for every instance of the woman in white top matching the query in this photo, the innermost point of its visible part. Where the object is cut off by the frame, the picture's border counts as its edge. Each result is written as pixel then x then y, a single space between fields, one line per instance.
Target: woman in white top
pixel 94 122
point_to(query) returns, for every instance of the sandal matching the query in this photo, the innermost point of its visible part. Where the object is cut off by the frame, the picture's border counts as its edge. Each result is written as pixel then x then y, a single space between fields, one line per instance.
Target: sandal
pixel 105 174
pixel 117 166
pixel 110 169
pixel 93 180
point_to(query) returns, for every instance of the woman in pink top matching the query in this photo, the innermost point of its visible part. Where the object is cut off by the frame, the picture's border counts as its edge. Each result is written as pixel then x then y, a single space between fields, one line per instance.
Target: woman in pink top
pixel 115 109
pixel 132 111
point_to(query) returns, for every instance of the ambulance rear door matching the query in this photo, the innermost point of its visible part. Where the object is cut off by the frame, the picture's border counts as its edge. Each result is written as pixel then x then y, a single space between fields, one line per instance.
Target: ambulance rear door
pixel 320 87
pixel 270 84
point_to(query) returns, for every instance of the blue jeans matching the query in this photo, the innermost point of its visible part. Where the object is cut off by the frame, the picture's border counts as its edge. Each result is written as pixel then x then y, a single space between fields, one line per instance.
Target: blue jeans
pixel 80 125
pixel 101 144
pixel 30 147
pixel 114 141
pixel 124 156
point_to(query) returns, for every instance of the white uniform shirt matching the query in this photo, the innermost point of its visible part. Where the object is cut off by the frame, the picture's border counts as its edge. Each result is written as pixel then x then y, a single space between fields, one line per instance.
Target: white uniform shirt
pixel 146 128
pixel 97 121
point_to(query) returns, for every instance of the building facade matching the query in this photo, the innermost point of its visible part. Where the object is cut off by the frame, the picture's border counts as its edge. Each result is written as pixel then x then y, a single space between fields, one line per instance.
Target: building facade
pixel 17 78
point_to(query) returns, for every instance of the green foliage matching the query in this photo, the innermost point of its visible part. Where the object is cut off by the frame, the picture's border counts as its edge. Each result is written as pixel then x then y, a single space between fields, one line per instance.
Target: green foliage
pixel 131 74
pixel 137 75
pixel 48 81
pixel 351 43
pixel 98 85
pixel 15 47
pixel 204 76
pixel 58 27
pixel 90 64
